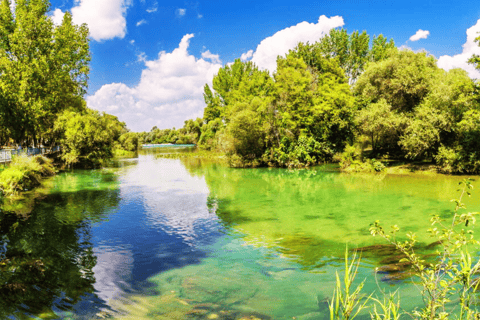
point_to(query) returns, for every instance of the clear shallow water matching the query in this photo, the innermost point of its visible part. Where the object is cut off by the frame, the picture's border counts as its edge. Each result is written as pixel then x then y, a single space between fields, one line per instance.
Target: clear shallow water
pixel 186 239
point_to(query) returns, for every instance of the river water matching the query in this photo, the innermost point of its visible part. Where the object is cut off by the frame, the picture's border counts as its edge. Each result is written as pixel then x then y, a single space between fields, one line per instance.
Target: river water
pixel 162 238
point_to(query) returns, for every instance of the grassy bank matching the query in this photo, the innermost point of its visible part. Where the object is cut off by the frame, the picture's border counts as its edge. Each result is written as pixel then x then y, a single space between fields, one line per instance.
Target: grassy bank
pixel 201 154
pixel 25 173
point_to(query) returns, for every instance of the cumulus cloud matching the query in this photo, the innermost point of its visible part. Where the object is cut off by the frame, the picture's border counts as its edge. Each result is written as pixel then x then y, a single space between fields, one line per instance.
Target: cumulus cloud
pixel 169 92
pixel 265 55
pixel 247 55
pixel 460 60
pixel 143 21
pixel 181 12
pixel 57 17
pixel 420 34
pixel 215 58
pixel 105 19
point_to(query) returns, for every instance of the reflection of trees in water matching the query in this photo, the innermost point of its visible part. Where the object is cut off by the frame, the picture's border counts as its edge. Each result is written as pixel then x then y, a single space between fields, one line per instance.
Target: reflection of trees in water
pixel 309 215
pixel 46 259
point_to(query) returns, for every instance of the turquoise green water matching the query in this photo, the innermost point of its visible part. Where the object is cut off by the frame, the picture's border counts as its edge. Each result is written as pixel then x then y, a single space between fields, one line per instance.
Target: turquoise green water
pixel 188 239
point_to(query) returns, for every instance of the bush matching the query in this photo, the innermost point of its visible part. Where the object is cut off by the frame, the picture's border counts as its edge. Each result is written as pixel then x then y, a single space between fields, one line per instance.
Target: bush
pixel 304 152
pixel 25 173
pixel 447 160
pixel 350 161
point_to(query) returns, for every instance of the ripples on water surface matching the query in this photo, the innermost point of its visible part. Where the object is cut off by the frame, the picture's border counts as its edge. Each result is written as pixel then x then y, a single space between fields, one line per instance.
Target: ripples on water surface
pixel 185 239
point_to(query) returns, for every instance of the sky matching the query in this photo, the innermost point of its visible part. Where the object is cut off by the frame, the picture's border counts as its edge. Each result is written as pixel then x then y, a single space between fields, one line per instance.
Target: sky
pixel 151 58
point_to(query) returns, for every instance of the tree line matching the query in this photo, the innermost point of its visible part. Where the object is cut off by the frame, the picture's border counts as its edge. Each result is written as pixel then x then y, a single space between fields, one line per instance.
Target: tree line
pixel 346 96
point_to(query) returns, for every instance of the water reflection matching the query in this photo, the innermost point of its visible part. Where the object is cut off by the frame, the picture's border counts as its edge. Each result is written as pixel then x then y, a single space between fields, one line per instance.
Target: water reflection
pixel 171 239
pixel 173 200
pixel 47 257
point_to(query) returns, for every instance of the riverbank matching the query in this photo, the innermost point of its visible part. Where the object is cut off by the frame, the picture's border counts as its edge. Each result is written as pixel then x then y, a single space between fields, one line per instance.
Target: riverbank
pixel 25 173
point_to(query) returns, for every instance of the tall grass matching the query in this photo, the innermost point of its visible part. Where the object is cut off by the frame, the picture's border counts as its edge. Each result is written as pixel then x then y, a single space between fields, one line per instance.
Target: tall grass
pixel 24 173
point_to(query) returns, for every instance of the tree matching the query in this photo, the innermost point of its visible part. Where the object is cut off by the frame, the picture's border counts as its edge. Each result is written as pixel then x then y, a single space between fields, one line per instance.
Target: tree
pixel 43 69
pixel 403 80
pixel 88 138
pixel 381 125
pixel 475 59
pixel 352 51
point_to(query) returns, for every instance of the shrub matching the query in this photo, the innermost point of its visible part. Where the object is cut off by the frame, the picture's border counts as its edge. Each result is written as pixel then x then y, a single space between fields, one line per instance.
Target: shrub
pixel 25 173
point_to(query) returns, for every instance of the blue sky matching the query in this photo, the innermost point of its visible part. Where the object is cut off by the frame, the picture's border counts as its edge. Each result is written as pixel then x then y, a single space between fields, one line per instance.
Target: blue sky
pixel 151 59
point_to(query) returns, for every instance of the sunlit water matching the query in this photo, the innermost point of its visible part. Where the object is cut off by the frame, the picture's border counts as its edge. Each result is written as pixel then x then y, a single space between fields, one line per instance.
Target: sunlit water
pixel 185 239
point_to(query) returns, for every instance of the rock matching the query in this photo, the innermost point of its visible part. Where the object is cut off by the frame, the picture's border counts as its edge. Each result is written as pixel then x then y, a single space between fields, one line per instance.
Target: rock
pixel 378 249
pixel 398 276
pixel 393 259
pixel 394 267
pixel 433 244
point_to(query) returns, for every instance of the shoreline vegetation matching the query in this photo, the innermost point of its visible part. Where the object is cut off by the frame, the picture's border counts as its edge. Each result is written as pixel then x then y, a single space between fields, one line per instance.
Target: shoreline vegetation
pixel 25 173
pixel 349 98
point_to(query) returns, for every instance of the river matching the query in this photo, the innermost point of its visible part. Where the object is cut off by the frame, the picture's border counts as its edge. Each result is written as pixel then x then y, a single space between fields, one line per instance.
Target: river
pixel 162 238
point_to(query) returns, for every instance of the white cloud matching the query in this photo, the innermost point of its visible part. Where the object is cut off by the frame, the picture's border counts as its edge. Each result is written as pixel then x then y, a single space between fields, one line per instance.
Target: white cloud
pixel 132 42
pixel 199 16
pixel 215 58
pixel 265 55
pixel 420 34
pixel 142 56
pixel 181 12
pixel 169 92
pixel 470 47
pixel 105 19
pixel 143 21
pixel 247 55
pixel 154 8
pixel 57 17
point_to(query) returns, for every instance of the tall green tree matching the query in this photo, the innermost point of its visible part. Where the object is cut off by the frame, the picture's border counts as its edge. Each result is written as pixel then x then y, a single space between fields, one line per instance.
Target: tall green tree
pixel 43 69
pixel 403 80
pixel 353 50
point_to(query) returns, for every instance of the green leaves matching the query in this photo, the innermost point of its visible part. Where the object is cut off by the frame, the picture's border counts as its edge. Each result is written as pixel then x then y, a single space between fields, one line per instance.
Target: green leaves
pixel 44 69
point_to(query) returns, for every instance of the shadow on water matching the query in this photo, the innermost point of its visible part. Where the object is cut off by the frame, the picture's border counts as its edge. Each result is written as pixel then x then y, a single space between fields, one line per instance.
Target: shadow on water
pixel 46 256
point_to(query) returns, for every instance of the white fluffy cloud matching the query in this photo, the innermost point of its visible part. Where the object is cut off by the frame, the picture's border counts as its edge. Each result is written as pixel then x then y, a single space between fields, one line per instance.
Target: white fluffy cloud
pixel 215 58
pixel 420 34
pixel 460 60
pixel 57 17
pixel 247 55
pixel 265 55
pixel 169 92
pixel 105 19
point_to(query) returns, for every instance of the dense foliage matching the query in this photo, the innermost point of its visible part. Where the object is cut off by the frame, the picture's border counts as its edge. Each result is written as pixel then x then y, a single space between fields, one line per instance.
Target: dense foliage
pixel 342 91
pixel 89 138
pixel 44 70
pixel 43 79
pixel 301 115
